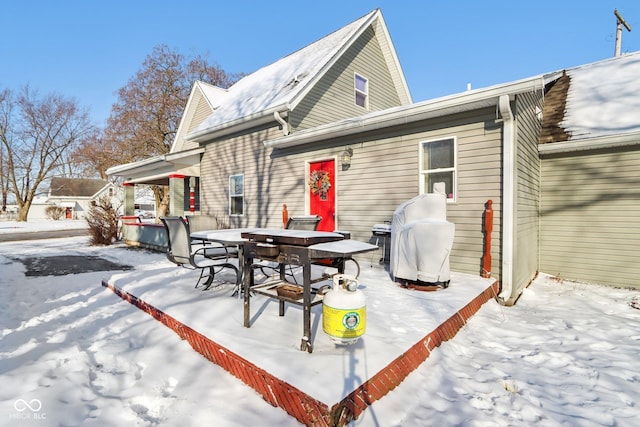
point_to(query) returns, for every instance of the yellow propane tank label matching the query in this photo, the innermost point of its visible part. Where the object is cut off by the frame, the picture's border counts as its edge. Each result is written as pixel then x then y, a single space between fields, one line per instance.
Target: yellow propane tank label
pixel 343 323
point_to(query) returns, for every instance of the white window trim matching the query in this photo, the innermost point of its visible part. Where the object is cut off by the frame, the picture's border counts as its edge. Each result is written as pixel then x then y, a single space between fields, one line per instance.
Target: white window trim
pixel 365 92
pixel 454 169
pixel 236 195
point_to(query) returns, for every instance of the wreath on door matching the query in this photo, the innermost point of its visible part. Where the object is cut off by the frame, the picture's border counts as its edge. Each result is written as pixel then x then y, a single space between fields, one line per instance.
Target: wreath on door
pixel 319 183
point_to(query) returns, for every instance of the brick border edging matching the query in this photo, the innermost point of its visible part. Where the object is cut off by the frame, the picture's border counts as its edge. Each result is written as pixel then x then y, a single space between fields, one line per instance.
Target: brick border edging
pixel 395 372
pixel 278 393
pixel 296 403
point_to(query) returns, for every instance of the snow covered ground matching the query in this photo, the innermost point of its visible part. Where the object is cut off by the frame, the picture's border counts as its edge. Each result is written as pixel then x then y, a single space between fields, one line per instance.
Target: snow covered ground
pixel 40 225
pixel 72 353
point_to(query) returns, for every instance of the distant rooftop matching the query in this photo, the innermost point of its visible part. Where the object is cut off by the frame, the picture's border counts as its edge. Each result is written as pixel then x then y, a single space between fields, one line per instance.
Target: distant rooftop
pixel 75 187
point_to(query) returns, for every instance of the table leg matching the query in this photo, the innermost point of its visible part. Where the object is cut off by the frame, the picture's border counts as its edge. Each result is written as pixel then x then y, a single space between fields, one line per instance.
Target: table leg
pixel 306 345
pixel 283 276
pixel 247 281
pixel 239 280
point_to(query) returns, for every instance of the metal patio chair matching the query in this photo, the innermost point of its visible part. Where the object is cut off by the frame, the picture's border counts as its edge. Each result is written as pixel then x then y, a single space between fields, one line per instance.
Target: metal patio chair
pixel 210 259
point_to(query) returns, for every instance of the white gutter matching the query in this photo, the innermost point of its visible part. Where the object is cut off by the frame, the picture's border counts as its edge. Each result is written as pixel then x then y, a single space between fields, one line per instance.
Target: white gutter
pixel 146 164
pixel 153 163
pixel 190 156
pixel 594 143
pixel 465 101
pixel 285 125
pixel 238 125
pixel 508 199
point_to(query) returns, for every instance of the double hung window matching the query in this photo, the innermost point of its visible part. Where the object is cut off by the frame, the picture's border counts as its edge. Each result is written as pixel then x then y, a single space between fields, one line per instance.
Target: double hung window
pixel 236 195
pixel 438 167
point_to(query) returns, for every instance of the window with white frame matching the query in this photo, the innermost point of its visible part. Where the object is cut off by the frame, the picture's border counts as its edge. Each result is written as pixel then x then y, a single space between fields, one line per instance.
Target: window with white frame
pixel 438 167
pixel 361 86
pixel 236 195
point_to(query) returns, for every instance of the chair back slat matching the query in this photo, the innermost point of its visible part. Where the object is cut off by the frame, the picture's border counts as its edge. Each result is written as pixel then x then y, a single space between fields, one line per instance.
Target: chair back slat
pixel 179 239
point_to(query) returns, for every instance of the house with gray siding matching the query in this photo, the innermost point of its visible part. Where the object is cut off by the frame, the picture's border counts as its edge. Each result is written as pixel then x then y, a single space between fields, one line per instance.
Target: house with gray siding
pixel 590 181
pixel 278 136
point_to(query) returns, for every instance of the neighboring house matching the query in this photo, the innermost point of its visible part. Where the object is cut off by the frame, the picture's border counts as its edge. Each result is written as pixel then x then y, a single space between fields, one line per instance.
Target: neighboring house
pixel 330 129
pixel 38 208
pixel 77 194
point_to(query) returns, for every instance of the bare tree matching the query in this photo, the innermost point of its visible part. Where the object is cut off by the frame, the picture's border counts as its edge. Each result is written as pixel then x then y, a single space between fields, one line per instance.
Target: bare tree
pixel 4 182
pixel 97 155
pixel 37 133
pixel 4 166
pixel 145 118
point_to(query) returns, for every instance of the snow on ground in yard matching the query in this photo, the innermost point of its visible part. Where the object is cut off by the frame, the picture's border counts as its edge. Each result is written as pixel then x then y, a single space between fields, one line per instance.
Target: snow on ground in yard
pixel 73 353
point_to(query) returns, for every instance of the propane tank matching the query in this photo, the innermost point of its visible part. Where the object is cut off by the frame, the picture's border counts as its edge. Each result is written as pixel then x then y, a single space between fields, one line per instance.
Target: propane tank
pixel 344 310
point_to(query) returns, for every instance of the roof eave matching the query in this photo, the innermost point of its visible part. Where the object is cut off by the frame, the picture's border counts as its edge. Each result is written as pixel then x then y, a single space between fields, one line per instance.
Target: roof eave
pixel 595 143
pixel 153 163
pixel 396 71
pixel 381 33
pixel 466 101
pixel 181 156
pixel 258 119
pixel 146 164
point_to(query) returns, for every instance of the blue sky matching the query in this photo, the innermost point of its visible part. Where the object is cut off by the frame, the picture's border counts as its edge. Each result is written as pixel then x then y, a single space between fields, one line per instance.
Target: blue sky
pixel 89 49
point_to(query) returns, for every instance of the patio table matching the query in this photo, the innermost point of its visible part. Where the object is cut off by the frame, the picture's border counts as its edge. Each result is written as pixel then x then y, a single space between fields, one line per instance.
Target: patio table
pixel 227 237
pixel 294 247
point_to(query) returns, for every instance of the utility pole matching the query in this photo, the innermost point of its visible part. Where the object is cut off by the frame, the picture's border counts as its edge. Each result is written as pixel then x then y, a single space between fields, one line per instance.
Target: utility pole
pixel 619 23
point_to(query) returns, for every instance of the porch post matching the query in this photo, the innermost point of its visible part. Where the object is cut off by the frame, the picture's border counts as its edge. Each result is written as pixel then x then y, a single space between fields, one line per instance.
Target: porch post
pixel 176 194
pixel 192 195
pixel 129 198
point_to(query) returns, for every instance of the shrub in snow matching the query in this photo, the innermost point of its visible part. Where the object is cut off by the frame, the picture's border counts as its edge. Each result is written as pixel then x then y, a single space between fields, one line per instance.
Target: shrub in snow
pixel 55 212
pixel 103 222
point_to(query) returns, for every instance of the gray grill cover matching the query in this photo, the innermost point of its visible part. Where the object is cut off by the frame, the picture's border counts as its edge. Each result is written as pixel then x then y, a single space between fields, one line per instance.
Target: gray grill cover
pixel 421 239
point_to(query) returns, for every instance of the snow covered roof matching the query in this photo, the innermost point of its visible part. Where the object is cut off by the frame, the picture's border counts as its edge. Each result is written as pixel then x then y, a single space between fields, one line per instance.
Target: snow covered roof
pixel 278 87
pixel 213 94
pixel 603 98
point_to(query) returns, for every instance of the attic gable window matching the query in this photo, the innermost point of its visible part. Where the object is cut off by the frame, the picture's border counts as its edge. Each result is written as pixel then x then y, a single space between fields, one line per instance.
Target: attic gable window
pixel 361 86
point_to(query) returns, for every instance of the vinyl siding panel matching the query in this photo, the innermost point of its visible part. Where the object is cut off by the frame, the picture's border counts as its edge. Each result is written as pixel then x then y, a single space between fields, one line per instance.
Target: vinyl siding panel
pixel 264 187
pixel 527 190
pixel 590 221
pixel 333 96
pixel 199 110
pixel 384 173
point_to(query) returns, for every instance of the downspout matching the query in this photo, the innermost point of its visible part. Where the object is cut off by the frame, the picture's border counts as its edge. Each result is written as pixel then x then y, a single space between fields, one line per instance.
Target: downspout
pixel 508 199
pixel 283 122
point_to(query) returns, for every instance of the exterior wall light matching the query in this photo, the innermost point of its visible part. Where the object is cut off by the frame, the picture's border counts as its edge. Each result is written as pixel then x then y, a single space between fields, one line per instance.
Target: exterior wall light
pixel 345 158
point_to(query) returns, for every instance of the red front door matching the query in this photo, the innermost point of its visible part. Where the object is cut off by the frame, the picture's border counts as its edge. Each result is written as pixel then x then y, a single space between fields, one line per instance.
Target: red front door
pixel 322 193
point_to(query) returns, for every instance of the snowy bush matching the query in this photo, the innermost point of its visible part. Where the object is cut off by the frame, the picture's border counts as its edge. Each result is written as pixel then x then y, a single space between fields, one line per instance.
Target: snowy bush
pixel 103 222
pixel 55 212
